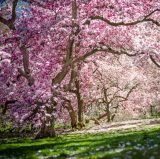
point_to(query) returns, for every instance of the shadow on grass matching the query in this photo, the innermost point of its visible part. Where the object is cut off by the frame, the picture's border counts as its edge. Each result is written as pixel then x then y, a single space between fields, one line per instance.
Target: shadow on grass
pixel 124 145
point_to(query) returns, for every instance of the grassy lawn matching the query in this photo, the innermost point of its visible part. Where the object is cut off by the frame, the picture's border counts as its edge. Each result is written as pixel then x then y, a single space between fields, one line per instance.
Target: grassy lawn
pixel 126 145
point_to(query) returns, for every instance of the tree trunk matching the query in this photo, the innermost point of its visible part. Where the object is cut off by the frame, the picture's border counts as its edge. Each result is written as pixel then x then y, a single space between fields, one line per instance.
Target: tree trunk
pixel 80 105
pixel 45 131
pixel 48 122
pixel 108 115
pixel 72 114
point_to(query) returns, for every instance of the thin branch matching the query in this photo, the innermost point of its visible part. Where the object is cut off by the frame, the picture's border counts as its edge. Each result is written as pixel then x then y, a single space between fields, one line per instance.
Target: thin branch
pixel 154 61
pixel 116 24
pixel 128 94
pixel 10 22
pixel 101 49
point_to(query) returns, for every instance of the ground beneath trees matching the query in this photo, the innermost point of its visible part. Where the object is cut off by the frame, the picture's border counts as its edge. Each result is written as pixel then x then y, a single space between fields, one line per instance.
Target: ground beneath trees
pixel 122 145
pixel 118 126
pixel 135 139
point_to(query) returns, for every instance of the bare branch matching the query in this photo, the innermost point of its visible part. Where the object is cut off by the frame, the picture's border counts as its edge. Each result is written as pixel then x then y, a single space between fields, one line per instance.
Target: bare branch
pixel 10 22
pixel 128 94
pixel 116 24
pixel 15 2
pixel 154 61
pixel 101 49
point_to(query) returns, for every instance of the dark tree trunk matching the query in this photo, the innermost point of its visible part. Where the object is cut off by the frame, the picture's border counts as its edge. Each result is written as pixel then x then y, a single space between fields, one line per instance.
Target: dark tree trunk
pixel 72 114
pixel 48 122
pixel 80 105
pixel 45 131
pixel 108 115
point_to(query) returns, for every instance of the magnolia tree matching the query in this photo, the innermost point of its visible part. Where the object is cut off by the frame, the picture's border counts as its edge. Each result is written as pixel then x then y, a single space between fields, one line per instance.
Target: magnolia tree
pixel 47 44
pixel 112 91
pixel 119 86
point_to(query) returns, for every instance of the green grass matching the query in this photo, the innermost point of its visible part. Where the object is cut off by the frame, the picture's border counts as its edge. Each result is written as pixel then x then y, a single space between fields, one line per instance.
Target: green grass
pixel 125 145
